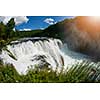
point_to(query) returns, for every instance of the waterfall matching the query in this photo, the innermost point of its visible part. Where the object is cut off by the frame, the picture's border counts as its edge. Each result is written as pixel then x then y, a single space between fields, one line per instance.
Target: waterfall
pixel 29 52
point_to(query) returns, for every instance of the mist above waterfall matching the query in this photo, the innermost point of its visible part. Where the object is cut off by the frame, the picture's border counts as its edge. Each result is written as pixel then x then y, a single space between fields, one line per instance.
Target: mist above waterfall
pixel 29 52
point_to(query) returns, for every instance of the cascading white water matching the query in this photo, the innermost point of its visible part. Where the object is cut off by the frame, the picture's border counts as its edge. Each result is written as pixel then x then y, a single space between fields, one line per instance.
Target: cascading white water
pixel 28 53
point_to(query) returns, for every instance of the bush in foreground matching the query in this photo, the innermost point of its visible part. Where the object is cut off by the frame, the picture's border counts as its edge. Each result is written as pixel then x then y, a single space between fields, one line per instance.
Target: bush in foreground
pixel 79 73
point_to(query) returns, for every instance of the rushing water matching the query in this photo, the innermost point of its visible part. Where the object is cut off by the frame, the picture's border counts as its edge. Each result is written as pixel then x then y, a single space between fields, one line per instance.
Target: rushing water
pixel 29 52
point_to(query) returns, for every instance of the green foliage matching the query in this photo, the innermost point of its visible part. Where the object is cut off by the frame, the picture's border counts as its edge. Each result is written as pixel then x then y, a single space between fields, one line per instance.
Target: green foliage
pixel 9 28
pixel 33 33
pixel 8 74
pixel 79 73
pixel 2 31
pixel 6 31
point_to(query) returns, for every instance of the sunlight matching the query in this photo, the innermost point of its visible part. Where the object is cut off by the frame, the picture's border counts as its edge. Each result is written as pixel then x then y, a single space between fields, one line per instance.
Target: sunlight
pixel 95 18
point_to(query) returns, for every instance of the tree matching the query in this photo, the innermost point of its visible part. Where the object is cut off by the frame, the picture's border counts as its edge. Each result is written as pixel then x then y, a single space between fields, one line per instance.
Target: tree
pixel 9 28
pixel 2 31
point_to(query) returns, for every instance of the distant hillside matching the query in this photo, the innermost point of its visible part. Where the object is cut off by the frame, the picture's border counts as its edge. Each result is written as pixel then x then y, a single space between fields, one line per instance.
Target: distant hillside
pixel 32 33
pixel 81 34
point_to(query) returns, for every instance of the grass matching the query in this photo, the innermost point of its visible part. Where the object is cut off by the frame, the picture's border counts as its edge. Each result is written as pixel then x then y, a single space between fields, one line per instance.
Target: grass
pixel 79 73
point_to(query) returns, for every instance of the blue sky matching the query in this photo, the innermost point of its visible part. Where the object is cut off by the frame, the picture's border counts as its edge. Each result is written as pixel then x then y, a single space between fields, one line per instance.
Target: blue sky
pixel 40 22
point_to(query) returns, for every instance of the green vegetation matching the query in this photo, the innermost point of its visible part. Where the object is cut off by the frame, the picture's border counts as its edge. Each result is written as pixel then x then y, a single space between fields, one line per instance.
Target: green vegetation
pixel 79 73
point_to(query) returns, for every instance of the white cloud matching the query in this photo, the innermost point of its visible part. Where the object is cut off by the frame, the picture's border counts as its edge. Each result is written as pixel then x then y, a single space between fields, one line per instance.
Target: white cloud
pixel 18 19
pixel 21 19
pixel 42 28
pixel 25 29
pixel 49 21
